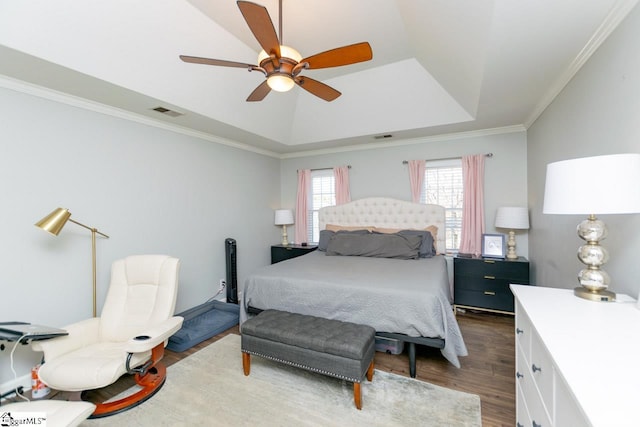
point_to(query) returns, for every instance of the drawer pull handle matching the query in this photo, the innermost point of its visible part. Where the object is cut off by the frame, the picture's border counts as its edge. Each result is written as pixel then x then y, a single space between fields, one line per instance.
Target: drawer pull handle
pixel 535 369
pixel 489 293
pixel 490 277
pixel 489 261
pixel 519 331
pixel 519 375
pixel 535 424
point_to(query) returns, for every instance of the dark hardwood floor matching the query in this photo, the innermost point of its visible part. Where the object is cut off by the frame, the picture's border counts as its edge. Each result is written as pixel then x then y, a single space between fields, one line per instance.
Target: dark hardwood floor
pixel 488 371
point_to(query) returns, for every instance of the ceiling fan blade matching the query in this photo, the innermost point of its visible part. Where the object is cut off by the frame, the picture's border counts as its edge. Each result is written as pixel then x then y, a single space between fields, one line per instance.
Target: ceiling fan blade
pixel 317 88
pixel 260 92
pixel 220 62
pixel 261 26
pixel 339 56
pixel 344 55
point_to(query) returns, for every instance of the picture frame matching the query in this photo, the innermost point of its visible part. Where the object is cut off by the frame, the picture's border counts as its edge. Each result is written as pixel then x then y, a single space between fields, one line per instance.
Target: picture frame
pixel 493 246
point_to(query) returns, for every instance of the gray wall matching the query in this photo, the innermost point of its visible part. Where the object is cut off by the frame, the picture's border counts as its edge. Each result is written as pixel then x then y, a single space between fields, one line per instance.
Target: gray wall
pixel 597 113
pixel 380 172
pixel 149 189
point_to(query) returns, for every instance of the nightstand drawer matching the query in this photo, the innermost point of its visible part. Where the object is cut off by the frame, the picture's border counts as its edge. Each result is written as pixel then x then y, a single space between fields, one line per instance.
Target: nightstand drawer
pixel 485 299
pixel 513 270
pixel 484 283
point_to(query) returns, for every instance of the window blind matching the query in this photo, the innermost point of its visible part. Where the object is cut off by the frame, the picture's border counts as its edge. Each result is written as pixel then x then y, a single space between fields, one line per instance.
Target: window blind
pixel 323 193
pixel 443 186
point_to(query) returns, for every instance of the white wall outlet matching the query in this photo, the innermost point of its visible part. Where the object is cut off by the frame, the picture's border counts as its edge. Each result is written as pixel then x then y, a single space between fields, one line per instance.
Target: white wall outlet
pixel 223 283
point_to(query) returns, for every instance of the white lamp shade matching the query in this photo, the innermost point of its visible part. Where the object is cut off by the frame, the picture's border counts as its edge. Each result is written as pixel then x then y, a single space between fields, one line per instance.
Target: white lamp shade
pixel 593 185
pixel 511 217
pixel 283 217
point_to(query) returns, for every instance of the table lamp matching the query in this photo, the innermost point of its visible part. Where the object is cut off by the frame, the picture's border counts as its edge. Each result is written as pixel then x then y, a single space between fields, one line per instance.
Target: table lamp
pixel 284 217
pixel 512 218
pixel 593 186
pixel 55 221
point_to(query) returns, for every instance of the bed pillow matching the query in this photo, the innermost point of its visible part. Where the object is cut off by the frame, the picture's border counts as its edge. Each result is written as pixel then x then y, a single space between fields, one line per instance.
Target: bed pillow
pixel 334 227
pixel 431 229
pixel 427 247
pixel 375 245
pixel 325 235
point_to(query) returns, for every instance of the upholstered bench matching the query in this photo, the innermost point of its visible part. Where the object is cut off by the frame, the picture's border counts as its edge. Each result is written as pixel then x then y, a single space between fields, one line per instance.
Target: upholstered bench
pixel 330 347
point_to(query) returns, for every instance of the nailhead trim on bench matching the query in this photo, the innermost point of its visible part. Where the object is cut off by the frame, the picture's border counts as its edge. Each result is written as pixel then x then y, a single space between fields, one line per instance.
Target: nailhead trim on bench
pixel 308 368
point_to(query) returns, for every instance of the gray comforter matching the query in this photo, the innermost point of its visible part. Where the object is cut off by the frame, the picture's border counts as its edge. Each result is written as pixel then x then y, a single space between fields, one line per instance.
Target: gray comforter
pixel 403 296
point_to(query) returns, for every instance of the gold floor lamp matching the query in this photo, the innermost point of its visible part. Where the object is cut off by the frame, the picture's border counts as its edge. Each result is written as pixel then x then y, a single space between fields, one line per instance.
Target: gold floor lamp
pixel 55 221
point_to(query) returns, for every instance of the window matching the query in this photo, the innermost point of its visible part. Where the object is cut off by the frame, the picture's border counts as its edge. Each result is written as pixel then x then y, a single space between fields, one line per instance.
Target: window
pixel 323 193
pixel 443 186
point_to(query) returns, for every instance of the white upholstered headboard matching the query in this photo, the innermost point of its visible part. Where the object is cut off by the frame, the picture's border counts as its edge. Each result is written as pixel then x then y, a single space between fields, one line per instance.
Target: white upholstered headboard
pixel 386 213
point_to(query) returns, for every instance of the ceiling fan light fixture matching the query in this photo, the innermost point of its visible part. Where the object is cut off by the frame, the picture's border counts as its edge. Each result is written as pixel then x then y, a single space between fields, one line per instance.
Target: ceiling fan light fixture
pixel 280 82
pixel 285 52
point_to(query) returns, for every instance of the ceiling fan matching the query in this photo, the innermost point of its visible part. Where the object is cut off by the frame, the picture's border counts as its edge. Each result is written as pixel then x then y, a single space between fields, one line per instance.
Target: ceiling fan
pixel 282 65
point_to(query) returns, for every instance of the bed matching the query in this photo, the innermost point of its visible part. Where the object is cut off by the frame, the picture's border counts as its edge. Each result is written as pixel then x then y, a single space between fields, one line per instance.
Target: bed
pixel 406 299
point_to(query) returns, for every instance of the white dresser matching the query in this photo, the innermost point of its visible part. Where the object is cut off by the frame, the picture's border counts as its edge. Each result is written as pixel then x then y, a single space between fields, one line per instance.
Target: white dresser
pixel 577 361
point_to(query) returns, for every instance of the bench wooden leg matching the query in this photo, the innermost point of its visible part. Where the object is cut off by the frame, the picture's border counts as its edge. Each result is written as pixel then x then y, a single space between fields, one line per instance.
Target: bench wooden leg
pixel 357 395
pixel 246 363
pixel 370 372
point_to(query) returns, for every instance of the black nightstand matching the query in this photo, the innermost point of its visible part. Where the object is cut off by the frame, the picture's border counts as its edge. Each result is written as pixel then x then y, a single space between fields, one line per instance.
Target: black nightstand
pixel 483 283
pixel 282 252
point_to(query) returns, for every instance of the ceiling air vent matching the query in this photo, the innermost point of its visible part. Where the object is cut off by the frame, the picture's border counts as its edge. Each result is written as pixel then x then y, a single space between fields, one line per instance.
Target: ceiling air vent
pixel 167 112
pixel 386 136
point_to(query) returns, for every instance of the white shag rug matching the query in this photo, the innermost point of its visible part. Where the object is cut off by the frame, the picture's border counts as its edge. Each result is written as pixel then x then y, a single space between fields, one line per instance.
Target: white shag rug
pixel 209 388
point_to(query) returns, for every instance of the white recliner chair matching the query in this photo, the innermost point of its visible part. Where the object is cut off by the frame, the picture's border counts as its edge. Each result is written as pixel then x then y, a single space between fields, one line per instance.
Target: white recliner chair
pixel 129 337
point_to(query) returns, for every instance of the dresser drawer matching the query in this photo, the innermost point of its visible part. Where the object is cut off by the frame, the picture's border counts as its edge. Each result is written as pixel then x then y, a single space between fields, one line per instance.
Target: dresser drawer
pixel 536 410
pixel 542 371
pixel 522 412
pixel 523 331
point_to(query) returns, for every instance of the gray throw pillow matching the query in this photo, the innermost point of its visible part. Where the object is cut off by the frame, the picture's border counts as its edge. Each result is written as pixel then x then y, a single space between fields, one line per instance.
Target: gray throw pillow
pixel 375 245
pixel 427 248
pixel 325 235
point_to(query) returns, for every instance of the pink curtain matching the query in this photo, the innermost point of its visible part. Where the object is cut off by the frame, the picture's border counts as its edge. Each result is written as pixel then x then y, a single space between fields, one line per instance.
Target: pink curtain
pixel 341 175
pixel 473 204
pixel 416 178
pixel 300 228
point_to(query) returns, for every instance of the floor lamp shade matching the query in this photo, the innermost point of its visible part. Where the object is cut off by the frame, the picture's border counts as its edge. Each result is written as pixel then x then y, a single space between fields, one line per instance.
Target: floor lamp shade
pixel 55 222
pixel 593 186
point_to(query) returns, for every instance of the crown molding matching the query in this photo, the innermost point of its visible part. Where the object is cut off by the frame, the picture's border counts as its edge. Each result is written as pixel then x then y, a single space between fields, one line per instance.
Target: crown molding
pixel 412 141
pixel 75 101
pixel 609 24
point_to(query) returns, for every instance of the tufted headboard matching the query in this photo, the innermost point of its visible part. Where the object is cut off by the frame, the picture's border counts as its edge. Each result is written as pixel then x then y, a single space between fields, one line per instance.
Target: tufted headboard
pixel 386 213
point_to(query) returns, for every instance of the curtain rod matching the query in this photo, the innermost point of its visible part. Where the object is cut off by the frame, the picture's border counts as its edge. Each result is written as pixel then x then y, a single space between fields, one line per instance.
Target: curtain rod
pixel 404 162
pixel 324 169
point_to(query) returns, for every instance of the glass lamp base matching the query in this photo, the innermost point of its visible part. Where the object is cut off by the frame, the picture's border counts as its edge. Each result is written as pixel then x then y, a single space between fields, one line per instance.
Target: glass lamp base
pixel 600 295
